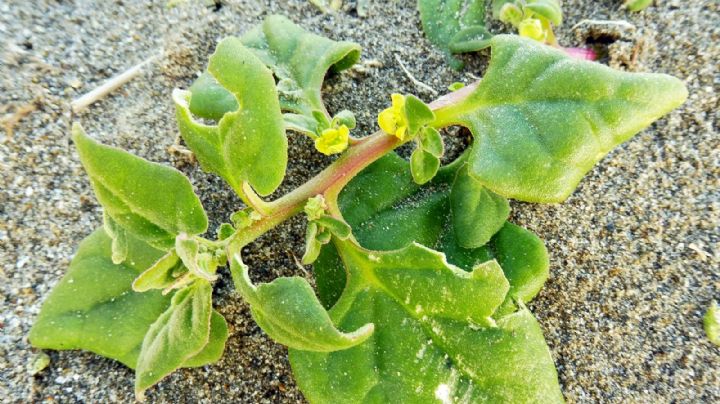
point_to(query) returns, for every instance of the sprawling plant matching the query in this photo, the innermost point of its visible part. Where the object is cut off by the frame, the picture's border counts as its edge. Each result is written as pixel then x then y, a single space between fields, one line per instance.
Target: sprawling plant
pixel 422 283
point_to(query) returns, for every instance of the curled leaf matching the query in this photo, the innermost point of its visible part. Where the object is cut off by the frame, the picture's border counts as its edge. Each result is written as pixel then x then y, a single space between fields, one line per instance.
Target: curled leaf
pixel 160 275
pixel 312 244
pixel 300 61
pixel 289 312
pixel 253 150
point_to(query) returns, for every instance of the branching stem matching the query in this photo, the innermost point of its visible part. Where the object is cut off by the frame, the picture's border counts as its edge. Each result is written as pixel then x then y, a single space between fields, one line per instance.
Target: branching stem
pixel 331 180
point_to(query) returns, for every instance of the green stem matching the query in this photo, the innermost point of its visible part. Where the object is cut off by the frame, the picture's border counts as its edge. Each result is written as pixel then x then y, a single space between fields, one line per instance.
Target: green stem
pixel 330 181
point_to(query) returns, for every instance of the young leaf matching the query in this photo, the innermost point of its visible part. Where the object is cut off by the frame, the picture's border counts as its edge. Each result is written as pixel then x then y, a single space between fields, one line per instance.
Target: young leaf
pixel 418 113
pixel 423 165
pixel 127 187
pixel 160 275
pixel 312 244
pixel 288 311
pixel 336 226
pixel 443 20
pixel 432 142
pixel 209 99
pixel 188 250
pixel 94 307
pixel 435 336
pixel 541 119
pixel 300 61
pixel 180 333
pixel 548 9
pixel 388 211
pixel 212 352
pixel 477 213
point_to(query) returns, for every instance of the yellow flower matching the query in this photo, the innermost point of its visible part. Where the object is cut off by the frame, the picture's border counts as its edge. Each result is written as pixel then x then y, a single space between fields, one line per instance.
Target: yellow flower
pixel 393 120
pixel 333 140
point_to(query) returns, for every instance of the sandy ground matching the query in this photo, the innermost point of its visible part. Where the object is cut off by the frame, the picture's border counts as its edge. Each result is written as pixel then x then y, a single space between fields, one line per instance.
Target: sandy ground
pixel 634 251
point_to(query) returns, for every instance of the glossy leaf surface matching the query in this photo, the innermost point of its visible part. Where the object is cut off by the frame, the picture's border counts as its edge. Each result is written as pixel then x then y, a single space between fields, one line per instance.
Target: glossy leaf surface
pixel 443 20
pixel 290 313
pixel 435 336
pixel 178 334
pixel 541 119
pixel 152 201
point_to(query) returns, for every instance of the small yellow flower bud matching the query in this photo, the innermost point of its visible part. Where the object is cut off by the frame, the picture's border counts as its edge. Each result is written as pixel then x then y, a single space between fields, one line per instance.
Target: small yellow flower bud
pixel 393 120
pixel 315 207
pixel 532 28
pixel 333 140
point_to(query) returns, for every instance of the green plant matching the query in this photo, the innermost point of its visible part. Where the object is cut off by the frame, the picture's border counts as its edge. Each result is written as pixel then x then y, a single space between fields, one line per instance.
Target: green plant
pixel 637 5
pixel 458 26
pixel 711 323
pixel 421 280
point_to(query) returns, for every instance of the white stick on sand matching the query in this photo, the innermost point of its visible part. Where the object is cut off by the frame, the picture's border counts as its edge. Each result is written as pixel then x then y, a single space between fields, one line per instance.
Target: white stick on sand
pixel 109 86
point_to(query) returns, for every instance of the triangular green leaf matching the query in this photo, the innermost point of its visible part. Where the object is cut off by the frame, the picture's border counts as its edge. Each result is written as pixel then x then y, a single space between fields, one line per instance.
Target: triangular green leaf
pixel 541 119
pixel 290 313
pixel 178 334
pixel 94 307
pixel 127 188
pixel 435 336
